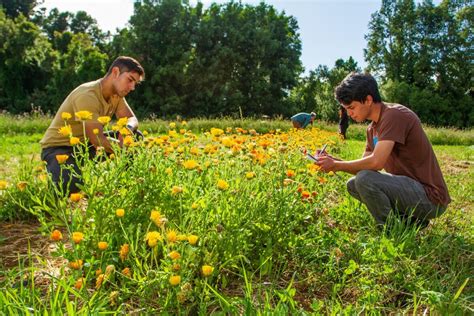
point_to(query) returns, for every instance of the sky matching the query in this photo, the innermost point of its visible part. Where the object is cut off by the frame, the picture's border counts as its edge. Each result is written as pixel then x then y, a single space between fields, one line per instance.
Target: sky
pixel 329 29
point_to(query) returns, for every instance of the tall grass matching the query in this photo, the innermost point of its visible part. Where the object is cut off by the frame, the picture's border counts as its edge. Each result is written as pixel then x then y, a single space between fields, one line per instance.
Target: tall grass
pixel 31 124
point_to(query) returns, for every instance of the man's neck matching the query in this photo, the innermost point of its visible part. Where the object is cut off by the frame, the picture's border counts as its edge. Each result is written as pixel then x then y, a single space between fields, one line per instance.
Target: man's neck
pixel 374 115
pixel 106 88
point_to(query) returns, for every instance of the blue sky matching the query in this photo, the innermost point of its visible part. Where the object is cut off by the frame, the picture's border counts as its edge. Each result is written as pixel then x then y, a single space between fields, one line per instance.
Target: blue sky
pixel 329 29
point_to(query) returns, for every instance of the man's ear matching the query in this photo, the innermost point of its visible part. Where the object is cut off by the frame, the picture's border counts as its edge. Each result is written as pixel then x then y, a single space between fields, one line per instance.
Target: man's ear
pixel 369 100
pixel 115 72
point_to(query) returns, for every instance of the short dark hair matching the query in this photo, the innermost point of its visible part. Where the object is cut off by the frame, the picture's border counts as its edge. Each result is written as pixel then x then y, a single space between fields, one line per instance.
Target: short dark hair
pixel 356 87
pixel 127 64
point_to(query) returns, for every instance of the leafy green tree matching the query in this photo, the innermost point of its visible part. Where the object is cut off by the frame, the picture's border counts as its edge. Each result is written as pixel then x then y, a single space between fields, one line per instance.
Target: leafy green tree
pixel 14 8
pixel 316 91
pixel 429 48
pixel 26 62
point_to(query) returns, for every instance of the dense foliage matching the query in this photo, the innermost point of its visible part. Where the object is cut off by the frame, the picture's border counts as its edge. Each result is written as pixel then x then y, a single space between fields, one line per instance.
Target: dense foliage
pixel 236 59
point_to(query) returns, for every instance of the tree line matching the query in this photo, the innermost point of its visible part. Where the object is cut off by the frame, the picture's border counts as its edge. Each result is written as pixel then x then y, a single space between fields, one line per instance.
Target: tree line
pixel 237 60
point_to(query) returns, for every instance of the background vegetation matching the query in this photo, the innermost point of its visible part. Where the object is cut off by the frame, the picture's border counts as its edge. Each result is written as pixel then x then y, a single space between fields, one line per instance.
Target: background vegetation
pixel 238 60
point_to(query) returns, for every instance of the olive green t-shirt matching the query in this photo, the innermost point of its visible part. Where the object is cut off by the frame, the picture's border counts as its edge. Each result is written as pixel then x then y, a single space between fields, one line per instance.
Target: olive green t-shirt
pixel 412 154
pixel 86 97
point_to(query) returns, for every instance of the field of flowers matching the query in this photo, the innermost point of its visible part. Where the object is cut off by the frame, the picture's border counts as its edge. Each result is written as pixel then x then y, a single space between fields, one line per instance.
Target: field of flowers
pixel 229 220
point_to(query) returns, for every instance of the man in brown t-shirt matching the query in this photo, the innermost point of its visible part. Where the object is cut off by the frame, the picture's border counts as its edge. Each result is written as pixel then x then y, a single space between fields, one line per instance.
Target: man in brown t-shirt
pixel 413 185
pixel 102 98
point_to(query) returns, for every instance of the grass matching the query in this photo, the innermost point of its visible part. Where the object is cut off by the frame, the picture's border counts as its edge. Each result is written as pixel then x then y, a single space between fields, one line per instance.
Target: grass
pixel 272 252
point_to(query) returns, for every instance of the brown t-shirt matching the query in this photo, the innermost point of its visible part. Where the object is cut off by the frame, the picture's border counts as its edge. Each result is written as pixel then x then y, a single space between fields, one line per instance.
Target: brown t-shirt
pixel 86 97
pixel 412 154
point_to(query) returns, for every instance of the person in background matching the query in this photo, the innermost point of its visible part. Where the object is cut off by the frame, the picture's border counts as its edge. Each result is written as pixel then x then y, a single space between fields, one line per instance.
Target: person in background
pixel 343 121
pixel 90 103
pixel 301 120
pixel 413 187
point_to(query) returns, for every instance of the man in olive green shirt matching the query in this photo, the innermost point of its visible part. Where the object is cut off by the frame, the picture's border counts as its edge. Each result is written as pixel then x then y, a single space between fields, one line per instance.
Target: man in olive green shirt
pixel 100 98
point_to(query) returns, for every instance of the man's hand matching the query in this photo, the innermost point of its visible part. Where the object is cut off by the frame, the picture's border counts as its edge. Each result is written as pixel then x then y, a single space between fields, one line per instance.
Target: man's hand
pixel 326 163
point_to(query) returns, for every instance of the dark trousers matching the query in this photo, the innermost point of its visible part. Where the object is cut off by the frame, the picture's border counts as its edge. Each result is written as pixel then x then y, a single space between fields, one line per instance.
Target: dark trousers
pixel 384 192
pixel 63 177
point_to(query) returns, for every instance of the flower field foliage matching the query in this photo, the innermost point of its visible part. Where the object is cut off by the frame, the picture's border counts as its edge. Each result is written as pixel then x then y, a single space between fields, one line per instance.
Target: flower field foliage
pixel 227 220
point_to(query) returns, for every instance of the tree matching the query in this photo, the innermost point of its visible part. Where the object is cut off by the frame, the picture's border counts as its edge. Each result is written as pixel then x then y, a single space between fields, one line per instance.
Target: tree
pixel 13 8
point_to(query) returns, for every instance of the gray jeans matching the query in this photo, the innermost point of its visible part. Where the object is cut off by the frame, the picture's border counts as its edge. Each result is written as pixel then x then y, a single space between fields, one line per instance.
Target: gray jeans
pixel 62 177
pixel 384 192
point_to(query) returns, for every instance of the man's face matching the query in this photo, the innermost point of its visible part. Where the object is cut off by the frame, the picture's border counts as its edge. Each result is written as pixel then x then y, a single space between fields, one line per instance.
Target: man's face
pixel 125 82
pixel 358 111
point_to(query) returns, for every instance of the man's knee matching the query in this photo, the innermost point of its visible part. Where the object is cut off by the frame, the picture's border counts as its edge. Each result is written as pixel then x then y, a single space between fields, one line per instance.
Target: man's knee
pixel 364 180
pixel 351 188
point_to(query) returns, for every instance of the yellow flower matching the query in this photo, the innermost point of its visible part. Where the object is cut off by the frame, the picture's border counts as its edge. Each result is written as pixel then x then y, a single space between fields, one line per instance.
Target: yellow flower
pixel 95 131
pixel 176 190
pixel 75 265
pixel 3 184
pixel 120 212
pixel 145 133
pixel 250 175
pixel 124 249
pixel 152 238
pixel 174 255
pixel 222 184
pixel 74 141
pixel 192 239
pixel 122 121
pixel 77 237
pixel 172 125
pixel 172 236
pixel 66 116
pixel 99 281
pixel 22 185
pixel 175 280
pixel 169 171
pixel 56 235
pixel 61 158
pixel 190 164
pixel 194 206
pixel 216 131
pixel 65 130
pixel 207 270
pixel 102 245
pixel 128 140
pixel 75 197
pixel 156 218
pixel 83 115
pixel 103 120
pixel 184 123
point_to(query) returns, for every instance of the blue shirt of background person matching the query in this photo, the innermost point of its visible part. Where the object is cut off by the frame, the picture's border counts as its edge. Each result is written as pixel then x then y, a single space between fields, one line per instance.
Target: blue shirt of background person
pixel 301 120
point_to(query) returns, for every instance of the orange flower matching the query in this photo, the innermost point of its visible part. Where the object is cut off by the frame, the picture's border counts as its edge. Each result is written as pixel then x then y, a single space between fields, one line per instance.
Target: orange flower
pixel 75 265
pixel 22 185
pixel 172 236
pixel 305 194
pixel 207 270
pixel 102 245
pixel 75 197
pixel 175 280
pixel 61 158
pixel 99 281
pixel 174 255
pixel 79 283
pixel 56 235
pixel 77 237
pixel 176 190
pixel 127 272
pixel 124 250
pixel 290 173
